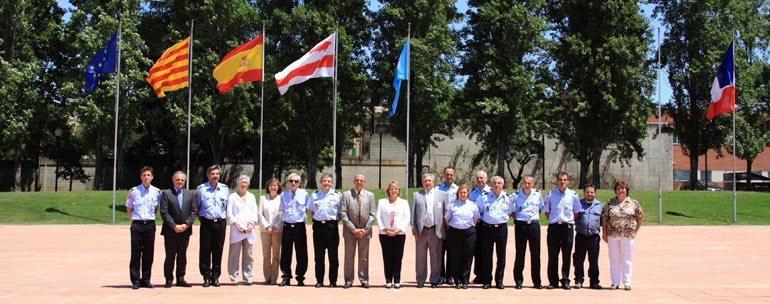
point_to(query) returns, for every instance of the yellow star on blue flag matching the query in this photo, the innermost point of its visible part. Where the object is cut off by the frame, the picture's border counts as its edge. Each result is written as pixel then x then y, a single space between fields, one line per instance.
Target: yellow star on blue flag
pixel 103 62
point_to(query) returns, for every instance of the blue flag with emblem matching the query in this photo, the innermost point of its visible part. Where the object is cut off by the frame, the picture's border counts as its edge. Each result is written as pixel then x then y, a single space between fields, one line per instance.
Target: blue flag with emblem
pixel 402 69
pixel 103 62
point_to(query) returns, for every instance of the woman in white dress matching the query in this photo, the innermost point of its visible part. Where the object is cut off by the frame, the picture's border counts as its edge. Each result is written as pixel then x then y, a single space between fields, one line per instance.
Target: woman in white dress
pixel 393 219
pixel 270 225
pixel 242 216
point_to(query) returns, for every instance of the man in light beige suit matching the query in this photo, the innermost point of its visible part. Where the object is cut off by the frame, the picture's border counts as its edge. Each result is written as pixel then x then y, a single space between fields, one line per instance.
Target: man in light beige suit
pixel 357 213
pixel 427 210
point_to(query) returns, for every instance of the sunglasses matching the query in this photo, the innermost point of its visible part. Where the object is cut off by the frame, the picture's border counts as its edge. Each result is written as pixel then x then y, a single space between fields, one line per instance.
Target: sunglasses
pixel 293 181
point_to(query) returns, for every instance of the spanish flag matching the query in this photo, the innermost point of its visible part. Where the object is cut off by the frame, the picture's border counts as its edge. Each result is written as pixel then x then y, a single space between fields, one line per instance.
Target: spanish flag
pixel 170 72
pixel 243 64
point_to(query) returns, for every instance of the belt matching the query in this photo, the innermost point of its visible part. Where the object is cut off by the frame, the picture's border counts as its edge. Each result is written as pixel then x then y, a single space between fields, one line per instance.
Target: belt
pixel 291 225
pixel 143 222
pixel 216 220
pixel 325 222
pixel 492 225
pixel 527 222
pixel 560 223
pixel 588 234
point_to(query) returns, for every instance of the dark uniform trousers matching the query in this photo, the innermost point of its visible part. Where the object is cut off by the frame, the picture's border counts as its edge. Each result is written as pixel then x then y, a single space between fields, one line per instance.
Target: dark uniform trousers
pixel 587 244
pixel 493 236
pixel 527 234
pixel 142 250
pixel 294 236
pixel 446 266
pixel 176 250
pixel 326 237
pixel 462 245
pixel 477 253
pixel 212 241
pixel 560 238
pixel 392 255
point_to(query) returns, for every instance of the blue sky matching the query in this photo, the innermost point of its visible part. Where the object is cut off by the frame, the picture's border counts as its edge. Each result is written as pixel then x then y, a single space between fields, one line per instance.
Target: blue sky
pixel 462 6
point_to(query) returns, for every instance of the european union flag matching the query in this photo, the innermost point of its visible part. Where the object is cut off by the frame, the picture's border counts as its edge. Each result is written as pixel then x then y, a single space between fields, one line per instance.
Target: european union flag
pixel 402 70
pixel 103 62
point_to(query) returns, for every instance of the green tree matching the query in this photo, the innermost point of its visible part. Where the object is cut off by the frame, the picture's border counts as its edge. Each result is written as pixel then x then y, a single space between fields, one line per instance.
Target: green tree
pixel 434 45
pixel 31 46
pixel 505 62
pixel 604 80
pixel 698 34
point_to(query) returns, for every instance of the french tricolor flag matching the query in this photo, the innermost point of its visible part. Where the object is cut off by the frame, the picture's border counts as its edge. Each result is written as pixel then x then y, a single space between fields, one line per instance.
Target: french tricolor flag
pixel 723 89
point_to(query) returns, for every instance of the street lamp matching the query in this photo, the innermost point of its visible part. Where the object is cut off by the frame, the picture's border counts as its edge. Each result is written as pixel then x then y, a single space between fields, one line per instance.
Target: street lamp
pixel 58 133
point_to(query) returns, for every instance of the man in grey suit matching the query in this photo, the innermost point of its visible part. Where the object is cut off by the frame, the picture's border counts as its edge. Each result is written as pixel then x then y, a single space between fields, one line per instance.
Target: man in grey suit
pixel 178 212
pixel 357 213
pixel 427 210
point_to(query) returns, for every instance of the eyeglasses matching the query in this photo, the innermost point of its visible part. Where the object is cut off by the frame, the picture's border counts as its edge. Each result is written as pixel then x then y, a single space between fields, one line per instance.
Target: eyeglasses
pixel 293 181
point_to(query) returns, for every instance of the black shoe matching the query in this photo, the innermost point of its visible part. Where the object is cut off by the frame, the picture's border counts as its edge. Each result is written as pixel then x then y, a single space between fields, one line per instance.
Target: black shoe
pixel 595 286
pixel 566 287
pixel 135 285
pixel 347 285
pixel 168 283
pixel 182 283
pixel 319 285
pixel 518 286
pixel 215 282
pixel 285 282
pixel 365 285
pixel 147 284
pixel 500 286
pixel 433 285
pixel 465 285
pixel 420 285
pixel 486 286
pixel 550 287
pixel 206 283
pixel 300 283
pixel 332 284
pixel 449 281
pixel 578 285
pixel 538 286
pixel 457 285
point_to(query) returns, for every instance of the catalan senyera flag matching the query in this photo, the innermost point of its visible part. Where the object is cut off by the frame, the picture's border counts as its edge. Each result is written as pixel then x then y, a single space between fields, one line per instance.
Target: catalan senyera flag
pixel 242 64
pixel 170 72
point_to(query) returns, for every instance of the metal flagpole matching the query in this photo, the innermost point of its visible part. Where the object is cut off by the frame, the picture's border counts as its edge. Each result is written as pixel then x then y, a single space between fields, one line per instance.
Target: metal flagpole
pixel 660 144
pixel 334 116
pixel 262 108
pixel 735 139
pixel 408 97
pixel 117 107
pixel 189 101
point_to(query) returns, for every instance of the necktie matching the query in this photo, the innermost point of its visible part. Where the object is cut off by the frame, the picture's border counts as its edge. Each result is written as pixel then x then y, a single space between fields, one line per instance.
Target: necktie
pixel 358 199
pixel 179 198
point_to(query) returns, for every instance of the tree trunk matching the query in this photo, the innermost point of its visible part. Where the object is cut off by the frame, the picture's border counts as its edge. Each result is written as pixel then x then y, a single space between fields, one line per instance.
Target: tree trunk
pixel 749 185
pixel 418 169
pixel 584 165
pixel 312 168
pixel 595 168
pixel 501 160
pixel 99 164
pixel 693 171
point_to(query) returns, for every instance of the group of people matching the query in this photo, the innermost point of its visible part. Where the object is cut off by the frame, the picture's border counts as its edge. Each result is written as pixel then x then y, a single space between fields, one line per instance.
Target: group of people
pixel 452 226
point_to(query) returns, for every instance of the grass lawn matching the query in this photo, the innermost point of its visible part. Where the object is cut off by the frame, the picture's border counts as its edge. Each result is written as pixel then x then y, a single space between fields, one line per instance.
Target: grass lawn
pixel 679 207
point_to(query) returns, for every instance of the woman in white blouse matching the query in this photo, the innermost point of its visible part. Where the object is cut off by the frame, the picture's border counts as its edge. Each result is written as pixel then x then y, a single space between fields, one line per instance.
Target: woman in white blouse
pixel 270 230
pixel 242 216
pixel 393 220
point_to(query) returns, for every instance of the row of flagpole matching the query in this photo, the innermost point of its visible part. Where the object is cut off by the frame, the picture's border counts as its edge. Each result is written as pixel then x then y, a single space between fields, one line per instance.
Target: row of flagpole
pixel 96 66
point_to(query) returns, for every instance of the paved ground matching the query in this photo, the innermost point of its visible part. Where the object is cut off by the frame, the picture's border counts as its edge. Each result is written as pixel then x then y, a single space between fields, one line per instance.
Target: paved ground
pixel 89 264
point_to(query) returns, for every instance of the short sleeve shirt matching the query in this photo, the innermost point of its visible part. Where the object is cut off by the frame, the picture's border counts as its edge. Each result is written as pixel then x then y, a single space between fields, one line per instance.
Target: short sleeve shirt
pixel 143 202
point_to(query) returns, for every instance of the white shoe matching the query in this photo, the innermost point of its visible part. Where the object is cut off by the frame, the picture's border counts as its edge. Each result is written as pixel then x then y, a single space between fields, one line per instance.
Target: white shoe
pixel 388 285
pixel 397 285
pixel 627 287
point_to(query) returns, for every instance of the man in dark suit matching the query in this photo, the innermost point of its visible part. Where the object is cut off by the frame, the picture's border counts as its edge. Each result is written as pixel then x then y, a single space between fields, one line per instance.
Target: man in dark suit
pixel 427 210
pixel 178 212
